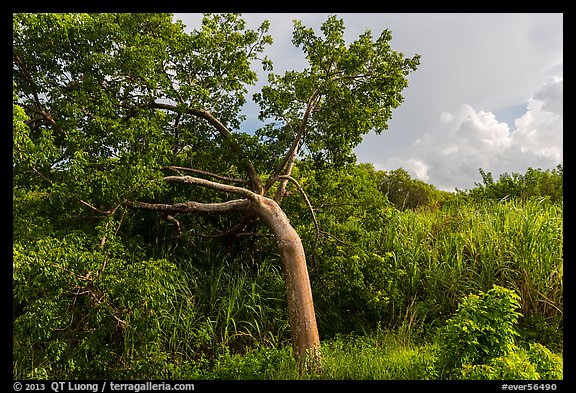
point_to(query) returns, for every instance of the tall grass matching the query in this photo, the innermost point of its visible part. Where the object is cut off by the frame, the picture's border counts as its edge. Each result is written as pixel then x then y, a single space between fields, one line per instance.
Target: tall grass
pixel 465 248
pixel 226 307
pixel 380 355
pixel 229 320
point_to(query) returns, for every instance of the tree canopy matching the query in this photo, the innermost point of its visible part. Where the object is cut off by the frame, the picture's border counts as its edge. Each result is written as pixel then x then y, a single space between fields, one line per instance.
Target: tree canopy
pixel 110 100
pixel 118 113
pixel 536 183
pixel 156 238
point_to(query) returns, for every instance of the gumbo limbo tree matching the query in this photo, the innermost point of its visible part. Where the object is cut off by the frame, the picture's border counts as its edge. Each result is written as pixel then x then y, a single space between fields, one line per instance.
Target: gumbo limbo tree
pixel 112 111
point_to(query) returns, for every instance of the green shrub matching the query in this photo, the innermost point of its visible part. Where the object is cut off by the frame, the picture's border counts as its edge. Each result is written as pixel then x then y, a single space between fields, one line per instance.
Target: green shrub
pixel 548 364
pixel 512 366
pixel 536 363
pixel 482 329
pixel 479 342
pixel 83 311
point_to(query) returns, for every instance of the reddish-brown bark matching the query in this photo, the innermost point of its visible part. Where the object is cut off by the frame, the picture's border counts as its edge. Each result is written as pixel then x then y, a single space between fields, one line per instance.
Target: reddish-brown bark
pixel 305 338
pixel 304 331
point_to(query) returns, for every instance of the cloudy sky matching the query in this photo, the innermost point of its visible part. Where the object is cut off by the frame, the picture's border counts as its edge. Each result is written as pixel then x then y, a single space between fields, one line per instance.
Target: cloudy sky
pixel 488 92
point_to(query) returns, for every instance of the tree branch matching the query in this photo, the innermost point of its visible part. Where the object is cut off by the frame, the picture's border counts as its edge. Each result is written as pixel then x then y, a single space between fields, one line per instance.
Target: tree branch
pixel 340 75
pixel 197 207
pixel 41 110
pixel 174 221
pixel 105 212
pixel 206 173
pixel 316 226
pixel 288 161
pixel 213 185
pixel 223 130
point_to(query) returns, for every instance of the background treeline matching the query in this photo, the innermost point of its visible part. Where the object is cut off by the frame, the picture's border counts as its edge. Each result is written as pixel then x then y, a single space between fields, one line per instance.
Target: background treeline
pixel 403 275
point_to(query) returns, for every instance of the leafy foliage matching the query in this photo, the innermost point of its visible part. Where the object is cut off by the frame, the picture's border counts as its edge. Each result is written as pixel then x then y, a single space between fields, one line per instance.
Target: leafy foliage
pixel 536 363
pixel 89 310
pixel 513 365
pixel 548 364
pixel 346 270
pixel 483 328
pixel 405 192
pixel 87 82
pixel 370 266
pixel 534 183
pixel 479 342
pixel 104 103
pixel 350 90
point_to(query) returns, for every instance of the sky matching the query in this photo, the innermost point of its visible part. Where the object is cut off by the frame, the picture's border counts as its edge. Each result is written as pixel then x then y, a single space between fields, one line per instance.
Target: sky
pixel 488 92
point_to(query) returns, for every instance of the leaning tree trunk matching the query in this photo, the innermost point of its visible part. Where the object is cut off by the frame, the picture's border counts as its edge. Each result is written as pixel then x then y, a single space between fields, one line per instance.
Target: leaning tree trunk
pixel 305 338
pixel 304 331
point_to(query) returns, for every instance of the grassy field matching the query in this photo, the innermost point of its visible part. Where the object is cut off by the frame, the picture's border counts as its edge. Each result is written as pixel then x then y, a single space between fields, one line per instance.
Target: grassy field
pixel 436 258
pixel 382 302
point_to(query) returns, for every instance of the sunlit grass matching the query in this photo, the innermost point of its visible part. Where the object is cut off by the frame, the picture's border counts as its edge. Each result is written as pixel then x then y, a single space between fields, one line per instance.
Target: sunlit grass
pixel 238 322
pixel 448 253
pixel 375 356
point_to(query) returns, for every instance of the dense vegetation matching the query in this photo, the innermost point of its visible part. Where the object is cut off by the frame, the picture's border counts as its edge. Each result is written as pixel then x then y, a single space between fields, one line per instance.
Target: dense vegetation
pixel 129 297
pixel 130 260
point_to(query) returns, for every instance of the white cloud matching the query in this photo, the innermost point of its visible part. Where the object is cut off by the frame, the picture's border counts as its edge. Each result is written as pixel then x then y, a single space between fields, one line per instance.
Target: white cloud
pixel 420 168
pixel 539 130
pixel 446 117
pixel 500 64
pixel 449 154
pixel 552 96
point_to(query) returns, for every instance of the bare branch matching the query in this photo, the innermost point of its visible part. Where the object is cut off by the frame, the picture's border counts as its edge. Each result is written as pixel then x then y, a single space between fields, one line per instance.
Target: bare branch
pixel 206 173
pixel 224 234
pixel 213 185
pixel 287 163
pixel 174 221
pixel 40 174
pixel 223 130
pixel 340 75
pixel 105 212
pixel 197 207
pixel 333 237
